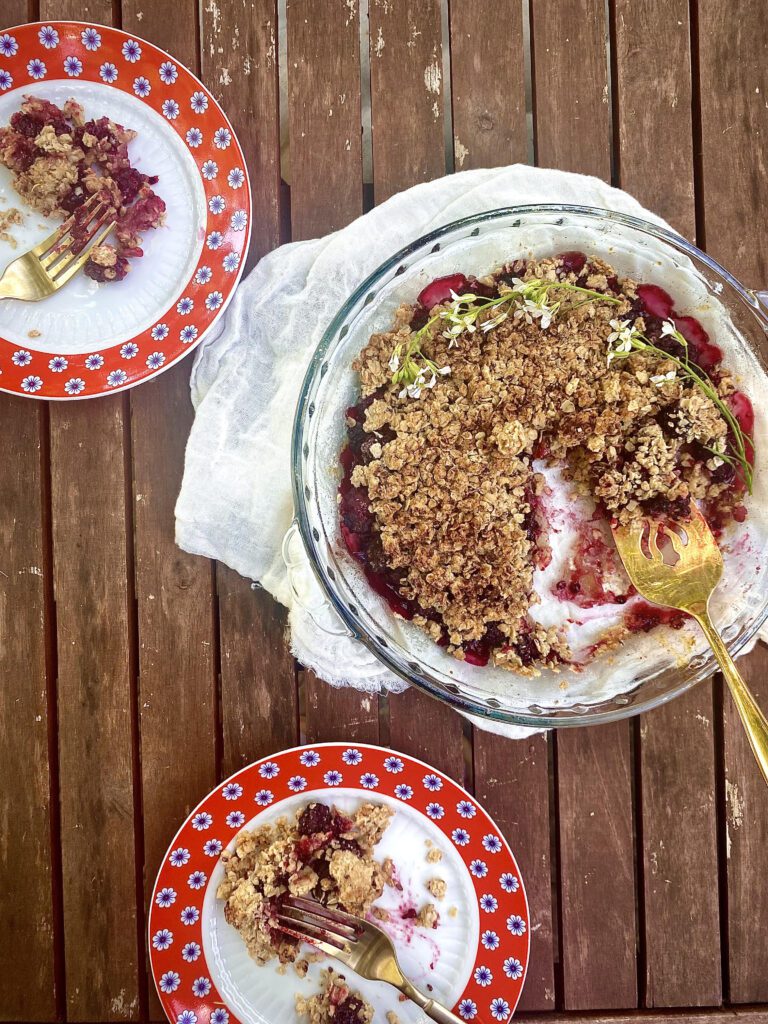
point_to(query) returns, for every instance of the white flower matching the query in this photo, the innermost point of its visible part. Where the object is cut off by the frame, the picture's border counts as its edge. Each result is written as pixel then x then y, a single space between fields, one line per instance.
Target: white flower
pixel 231 262
pixel 91 39
pixel 500 1008
pixel 129 350
pixel 162 939
pixel 108 73
pixel 214 300
pixel 467 1009
pixel 352 756
pixel 238 220
pixel 217 204
pixel 73 67
pixel 236 177
pixel 179 857
pixel 232 791
pixel 94 362
pixel 187 1017
pixel 188 333
pixel 190 952
pixel 116 377
pixel 8 45
pixel 489 903
pixel 201 987
pixel 209 169
pixel 483 976
pixel 170 109
pixel 74 386
pixel 6 80
pixel 58 364
pixel 31 384
pixel 235 819
pixel 490 940
pixel 21 358
pixel 264 797
pixel 37 69
pixel 194 137
pixel 309 758
pixel 403 792
pixel 214 240
pixel 219 1016
pixel 269 770
pixel 466 809
pixel 203 275
pixel 222 138
pixel 170 981
pixel 394 362
pixel 190 915
pixel 435 811
pixel 659 379
pixel 155 360
pixel 509 882
pixel 433 783
pixel 131 51
pixel 516 924
pixel 369 781
pixel 165 897
pixel 513 968
pixel 185 305
pixel 197 880
pixel 168 72
pixel 201 821
pixel 478 868
pixel 159 331
pixel 460 836
pixel 199 102
pixel 332 778
pixel 297 783
pixel 212 847
pixel 141 86
pixel 492 843
pixel 48 36
pixel 668 329
pixel 394 765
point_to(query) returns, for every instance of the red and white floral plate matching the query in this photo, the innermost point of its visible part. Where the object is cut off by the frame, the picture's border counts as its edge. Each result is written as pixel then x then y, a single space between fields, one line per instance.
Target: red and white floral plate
pixel 474 961
pixel 90 339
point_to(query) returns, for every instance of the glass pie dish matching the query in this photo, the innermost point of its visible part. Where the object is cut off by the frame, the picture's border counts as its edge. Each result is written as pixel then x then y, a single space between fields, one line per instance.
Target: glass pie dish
pixel 645 670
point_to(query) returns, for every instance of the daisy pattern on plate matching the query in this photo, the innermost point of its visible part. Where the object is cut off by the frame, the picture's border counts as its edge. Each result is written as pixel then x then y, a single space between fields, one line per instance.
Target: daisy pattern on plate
pixel 217 204
pixel 201 987
pixel 222 138
pixel 435 811
pixel 170 109
pixel 231 262
pixel 179 857
pixel 31 384
pixel 212 847
pixel 169 982
pixel 332 778
pixel 483 976
pixel 490 940
pixel 393 765
pixel 94 361
pixel 108 73
pixel 131 51
pixel 309 758
pixel 197 880
pixel 467 1009
pixel 369 781
pixel 509 882
pixel 74 386
pixel 159 331
pixel 8 45
pixel 201 821
pixel 142 86
pixel 73 66
pixel 199 102
pixel 214 240
pixel 91 39
pixel 162 939
pixel 232 791
pixel 129 350
pixel 492 844
pixel 21 358
pixel 116 377
pixel 6 80
pixel 516 924
pixel 48 36
pixel 238 220
pixel 187 1017
pixel 433 783
pixel 478 868
pixel 36 69
pixel 219 1016
pixel 489 903
pixel 513 968
pixel 203 275
pixel 352 756
pixel 236 177
pixel 155 360
pixel 269 770
pixel 460 836
pixel 264 797
pixel 214 300
pixel 168 72
pixel 166 897
pixel 466 809
pixel 188 333
pixel 194 137
pixel 58 364
pixel 190 915
pixel 190 952
pixel 235 819
pixel 209 170
pixel 403 792
pixel 500 1008
pixel 297 783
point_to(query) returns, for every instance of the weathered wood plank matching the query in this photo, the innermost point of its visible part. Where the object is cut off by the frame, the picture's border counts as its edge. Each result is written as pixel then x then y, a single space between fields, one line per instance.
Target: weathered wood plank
pixel 652 101
pixel 357 714
pixel 258 679
pixel 487 86
pixel 406 94
pixel 733 89
pixel 571 113
pixel 27 964
pixel 512 782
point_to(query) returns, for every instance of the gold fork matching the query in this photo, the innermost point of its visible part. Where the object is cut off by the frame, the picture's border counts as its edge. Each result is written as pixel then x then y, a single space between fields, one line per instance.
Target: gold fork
pixel 358 944
pixel 688 585
pixel 49 265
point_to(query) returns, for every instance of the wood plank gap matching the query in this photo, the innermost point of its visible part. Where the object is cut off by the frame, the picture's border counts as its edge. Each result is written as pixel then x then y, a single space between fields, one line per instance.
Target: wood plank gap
pixel 52 702
pixel 534 145
pixel 366 138
pixel 528 80
pixel 554 837
pixel 133 676
pixel 448 138
pixel 613 85
pixel 218 713
pixel 718 729
pixel 637 814
pixel 469 760
pixel 697 128
pixel 284 134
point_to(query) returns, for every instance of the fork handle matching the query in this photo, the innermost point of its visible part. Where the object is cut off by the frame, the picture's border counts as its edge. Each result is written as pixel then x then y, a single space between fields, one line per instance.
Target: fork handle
pixel 752 718
pixel 432 1009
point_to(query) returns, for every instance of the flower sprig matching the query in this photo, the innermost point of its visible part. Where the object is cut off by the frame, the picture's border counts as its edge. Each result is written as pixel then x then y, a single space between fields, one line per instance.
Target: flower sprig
pixel 625 339
pixel 525 300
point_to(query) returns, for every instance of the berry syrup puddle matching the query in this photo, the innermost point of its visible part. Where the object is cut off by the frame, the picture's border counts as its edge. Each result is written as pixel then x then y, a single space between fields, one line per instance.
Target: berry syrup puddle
pixel 579 577
pixel 401 927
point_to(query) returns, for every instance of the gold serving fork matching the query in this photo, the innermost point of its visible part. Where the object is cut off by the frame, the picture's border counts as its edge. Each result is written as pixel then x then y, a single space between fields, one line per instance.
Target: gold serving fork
pixel 46 268
pixel 358 944
pixel 687 585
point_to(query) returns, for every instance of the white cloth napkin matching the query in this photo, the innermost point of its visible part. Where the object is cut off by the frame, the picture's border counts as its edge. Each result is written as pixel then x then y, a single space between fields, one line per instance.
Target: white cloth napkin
pixel 235 503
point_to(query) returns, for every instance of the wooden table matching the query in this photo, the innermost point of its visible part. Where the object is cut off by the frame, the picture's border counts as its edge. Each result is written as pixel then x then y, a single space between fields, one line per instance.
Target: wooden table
pixel 135 676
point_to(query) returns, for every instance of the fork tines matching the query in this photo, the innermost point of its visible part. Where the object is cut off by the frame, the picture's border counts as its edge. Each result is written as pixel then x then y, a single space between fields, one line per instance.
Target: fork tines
pixel 97 214
pixel 333 931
